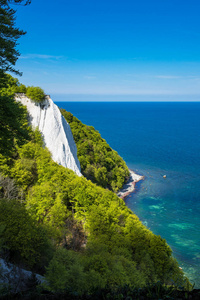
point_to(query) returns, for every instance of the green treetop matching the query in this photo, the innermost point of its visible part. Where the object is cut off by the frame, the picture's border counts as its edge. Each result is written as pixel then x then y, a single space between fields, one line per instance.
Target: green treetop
pixel 9 34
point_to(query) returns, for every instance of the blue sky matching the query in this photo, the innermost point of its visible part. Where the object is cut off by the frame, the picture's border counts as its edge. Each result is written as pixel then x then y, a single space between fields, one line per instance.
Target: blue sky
pixel 112 50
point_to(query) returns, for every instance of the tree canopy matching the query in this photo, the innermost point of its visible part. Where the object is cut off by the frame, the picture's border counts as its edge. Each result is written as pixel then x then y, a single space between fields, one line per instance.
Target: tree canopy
pixel 99 162
pixel 35 93
pixel 9 35
pixel 81 235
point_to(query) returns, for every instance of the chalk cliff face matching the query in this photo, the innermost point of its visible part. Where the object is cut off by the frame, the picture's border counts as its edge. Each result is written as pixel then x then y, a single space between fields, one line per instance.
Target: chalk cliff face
pixel 15 277
pixel 55 131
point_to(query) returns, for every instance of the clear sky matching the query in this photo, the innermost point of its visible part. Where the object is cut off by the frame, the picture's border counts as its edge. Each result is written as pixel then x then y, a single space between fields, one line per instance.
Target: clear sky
pixel 112 50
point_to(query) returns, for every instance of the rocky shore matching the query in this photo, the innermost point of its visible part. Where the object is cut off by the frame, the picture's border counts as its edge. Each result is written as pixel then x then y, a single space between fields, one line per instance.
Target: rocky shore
pixel 130 185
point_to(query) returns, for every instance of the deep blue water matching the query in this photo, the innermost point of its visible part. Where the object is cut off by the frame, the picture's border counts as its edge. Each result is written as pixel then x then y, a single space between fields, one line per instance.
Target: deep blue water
pixel 157 139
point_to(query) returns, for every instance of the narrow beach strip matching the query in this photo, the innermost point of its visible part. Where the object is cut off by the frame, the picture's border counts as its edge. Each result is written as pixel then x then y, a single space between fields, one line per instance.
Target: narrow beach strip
pixel 130 185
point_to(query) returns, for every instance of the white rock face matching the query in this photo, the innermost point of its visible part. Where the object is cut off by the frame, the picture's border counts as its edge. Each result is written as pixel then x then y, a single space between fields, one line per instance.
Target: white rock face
pixel 15 278
pixel 55 131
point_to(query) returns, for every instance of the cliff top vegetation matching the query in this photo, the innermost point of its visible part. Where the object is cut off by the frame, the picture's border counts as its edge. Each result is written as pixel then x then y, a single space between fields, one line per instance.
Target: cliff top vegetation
pixel 99 162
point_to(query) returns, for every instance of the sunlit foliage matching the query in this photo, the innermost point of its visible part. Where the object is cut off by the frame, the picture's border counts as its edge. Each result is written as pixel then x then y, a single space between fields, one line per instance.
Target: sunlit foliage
pixel 100 242
pixel 99 162
pixel 35 93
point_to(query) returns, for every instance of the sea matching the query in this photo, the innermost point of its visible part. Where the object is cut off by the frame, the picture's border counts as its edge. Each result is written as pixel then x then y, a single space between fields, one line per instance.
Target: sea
pixel 161 141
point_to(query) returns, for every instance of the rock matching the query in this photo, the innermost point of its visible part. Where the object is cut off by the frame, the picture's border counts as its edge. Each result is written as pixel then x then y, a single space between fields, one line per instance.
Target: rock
pixel 15 279
pixel 55 130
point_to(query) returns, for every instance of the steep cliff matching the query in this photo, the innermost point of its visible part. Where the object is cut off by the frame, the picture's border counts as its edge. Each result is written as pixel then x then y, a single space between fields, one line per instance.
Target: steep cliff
pixel 55 131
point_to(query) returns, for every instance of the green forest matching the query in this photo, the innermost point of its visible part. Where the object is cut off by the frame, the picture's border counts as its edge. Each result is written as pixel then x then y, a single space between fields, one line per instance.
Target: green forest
pixel 99 163
pixel 80 236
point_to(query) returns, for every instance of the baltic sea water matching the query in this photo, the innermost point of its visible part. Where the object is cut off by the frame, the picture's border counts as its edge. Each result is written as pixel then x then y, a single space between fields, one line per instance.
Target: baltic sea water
pixel 157 139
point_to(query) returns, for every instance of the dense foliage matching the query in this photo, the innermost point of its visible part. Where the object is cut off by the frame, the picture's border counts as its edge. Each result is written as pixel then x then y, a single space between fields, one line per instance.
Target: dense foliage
pixel 93 240
pixel 99 162
pixel 35 93
pixel 120 249
pixel 22 239
pixel 14 130
pixel 13 86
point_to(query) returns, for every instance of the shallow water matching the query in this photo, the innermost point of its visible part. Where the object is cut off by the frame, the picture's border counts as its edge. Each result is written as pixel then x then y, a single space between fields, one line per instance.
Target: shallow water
pixel 169 208
pixel 157 139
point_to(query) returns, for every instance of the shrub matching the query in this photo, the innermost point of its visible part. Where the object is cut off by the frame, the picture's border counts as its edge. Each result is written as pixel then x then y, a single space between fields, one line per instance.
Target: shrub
pixel 35 93
pixel 20 89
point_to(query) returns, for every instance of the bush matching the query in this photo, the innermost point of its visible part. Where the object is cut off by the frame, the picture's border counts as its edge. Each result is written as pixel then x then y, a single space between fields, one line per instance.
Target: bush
pixel 35 93
pixel 20 89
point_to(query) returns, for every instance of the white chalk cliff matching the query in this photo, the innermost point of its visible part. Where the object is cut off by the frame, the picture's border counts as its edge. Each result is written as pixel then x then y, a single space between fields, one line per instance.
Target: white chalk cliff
pixel 55 131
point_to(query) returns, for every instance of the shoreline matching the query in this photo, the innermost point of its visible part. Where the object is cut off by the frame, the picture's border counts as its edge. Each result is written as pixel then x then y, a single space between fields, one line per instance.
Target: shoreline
pixel 129 186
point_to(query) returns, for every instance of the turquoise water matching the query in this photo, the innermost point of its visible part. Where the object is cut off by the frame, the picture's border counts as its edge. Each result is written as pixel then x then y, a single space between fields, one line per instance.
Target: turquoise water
pixel 157 139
